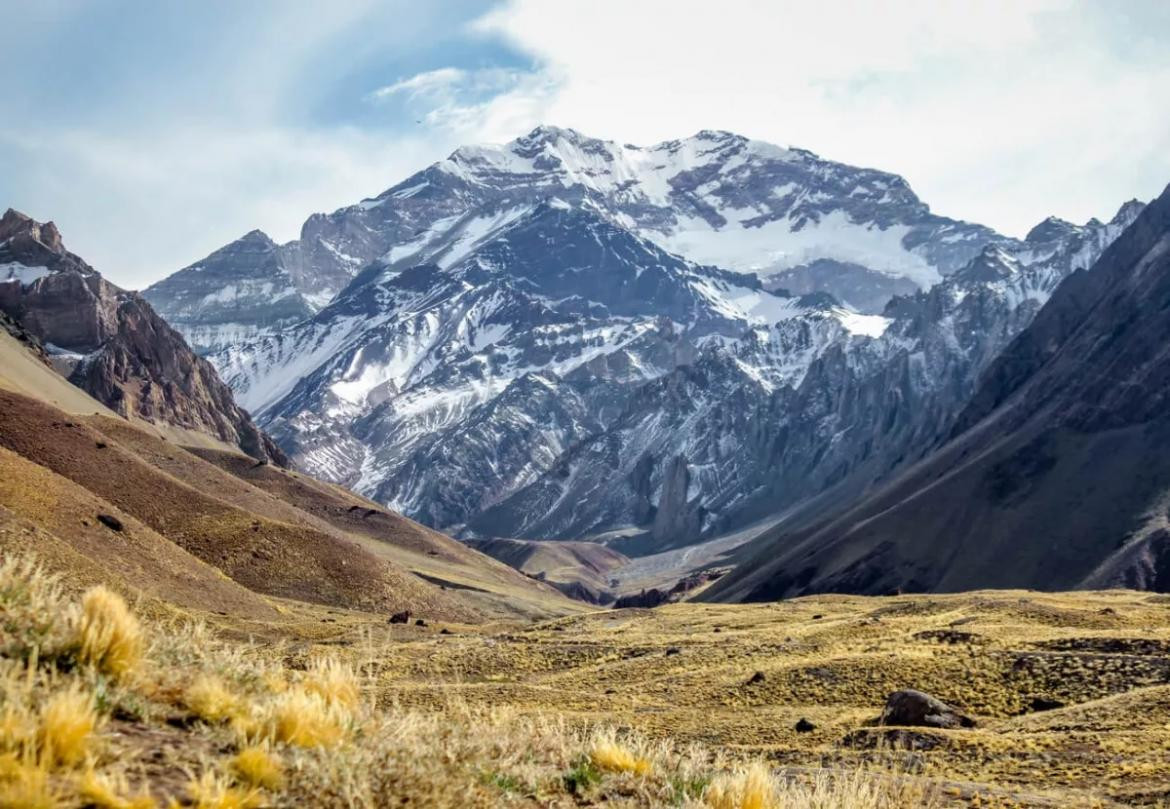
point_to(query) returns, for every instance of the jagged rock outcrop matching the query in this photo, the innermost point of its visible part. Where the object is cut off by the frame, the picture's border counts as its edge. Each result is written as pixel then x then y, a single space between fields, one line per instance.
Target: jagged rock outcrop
pixel 110 342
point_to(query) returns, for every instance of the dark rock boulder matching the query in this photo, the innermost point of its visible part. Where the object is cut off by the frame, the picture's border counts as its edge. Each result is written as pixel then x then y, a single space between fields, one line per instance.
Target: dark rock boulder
pixel 912 708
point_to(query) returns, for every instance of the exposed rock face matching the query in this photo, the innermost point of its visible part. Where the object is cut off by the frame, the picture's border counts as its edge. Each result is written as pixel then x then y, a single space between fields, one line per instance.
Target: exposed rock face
pixel 110 343
pixel 912 708
pixel 1057 462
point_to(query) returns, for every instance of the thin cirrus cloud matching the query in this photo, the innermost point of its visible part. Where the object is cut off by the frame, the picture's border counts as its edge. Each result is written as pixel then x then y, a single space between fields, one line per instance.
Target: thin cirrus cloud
pixel 156 136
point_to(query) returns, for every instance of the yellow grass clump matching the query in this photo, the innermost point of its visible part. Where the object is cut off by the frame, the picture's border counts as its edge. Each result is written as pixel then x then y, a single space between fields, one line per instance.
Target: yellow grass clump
pixel 24 784
pixel 67 724
pixel 258 767
pixel 611 755
pixel 109 635
pixel 752 787
pixel 208 698
pixel 110 791
pixel 334 682
pixel 304 719
pixel 211 791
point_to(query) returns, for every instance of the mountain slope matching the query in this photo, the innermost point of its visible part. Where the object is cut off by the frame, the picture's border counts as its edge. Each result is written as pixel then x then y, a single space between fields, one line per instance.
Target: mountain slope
pixel 110 343
pixel 758 425
pixel 442 390
pixel 1056 463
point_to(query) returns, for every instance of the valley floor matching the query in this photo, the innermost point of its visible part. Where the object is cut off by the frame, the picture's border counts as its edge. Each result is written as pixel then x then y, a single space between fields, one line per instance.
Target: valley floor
pixel 687 705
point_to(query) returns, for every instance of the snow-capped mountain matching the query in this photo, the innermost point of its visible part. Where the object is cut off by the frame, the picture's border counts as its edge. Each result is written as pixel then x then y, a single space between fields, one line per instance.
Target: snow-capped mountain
pixel 415 382
pixel 565 337
pixel 798 221
pixel 237 293
pixel 755 425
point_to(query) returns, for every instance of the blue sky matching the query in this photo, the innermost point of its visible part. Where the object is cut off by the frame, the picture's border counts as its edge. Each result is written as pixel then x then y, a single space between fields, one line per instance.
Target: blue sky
pixel 154 132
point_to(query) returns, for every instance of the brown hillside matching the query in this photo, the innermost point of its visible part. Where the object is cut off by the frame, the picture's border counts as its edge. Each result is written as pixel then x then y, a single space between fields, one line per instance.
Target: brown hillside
pixel 263 554
pixel 491 585
pixel 56 519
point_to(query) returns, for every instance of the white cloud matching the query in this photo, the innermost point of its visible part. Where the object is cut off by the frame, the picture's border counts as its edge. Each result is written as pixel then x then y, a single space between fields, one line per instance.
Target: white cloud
pixel 422 84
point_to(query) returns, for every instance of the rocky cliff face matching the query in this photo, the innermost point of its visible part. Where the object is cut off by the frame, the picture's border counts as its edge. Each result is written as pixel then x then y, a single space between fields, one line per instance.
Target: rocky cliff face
pixel 1056 462
pixel 110 342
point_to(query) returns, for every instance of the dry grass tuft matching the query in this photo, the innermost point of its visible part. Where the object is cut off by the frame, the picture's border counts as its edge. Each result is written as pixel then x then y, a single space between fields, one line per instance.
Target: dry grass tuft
pixel 258 767
pixel 211 791
pixel 751 787
pixel 24 784
pixel 304 719
pixel 110 638
pixel 67 724
pixel 208 698
pixel 111 791
pixel 334 682
pixel 611 755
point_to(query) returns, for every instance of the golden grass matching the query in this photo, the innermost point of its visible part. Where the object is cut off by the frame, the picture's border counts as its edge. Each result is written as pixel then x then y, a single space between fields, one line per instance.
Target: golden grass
pixel 259 767
pixel 66 729
pixel 752 787
pixel 212 791
pixel 25 785
pixel 305 719
pixel 109 635
pixel 335 682
pixel 209 699
pixel 111 791
pixel 607 753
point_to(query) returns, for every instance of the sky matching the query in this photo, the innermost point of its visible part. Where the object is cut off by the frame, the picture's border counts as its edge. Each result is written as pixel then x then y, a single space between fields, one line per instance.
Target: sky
pixel 153 132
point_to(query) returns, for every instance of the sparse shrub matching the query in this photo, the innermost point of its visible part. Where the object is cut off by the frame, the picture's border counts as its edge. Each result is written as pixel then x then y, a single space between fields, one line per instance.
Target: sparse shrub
pixel 109 636
pixel 582 776
pixel 258 767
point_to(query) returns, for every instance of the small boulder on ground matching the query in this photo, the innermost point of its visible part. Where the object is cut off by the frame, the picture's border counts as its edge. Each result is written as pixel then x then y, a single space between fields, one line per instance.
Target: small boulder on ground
pixel 110 521
pixel 911 708
pixel 805 726
pixel 758 677
pixel 400 617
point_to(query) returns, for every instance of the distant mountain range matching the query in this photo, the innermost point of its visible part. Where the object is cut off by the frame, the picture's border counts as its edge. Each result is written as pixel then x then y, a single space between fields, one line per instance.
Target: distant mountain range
pixel 568 338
